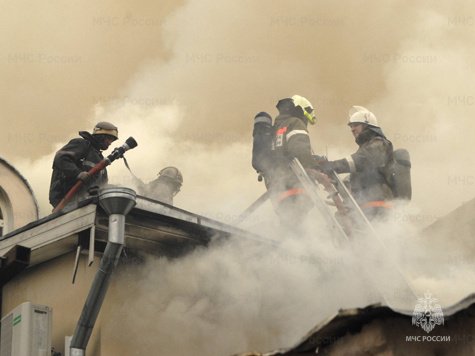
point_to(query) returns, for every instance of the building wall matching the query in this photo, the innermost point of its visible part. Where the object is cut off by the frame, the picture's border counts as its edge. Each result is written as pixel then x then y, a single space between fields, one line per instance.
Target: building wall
pixel 17 202
pixel 50 284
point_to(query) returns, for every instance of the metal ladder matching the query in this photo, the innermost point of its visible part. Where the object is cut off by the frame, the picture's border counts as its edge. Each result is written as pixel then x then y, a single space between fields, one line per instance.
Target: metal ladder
pixel 358 232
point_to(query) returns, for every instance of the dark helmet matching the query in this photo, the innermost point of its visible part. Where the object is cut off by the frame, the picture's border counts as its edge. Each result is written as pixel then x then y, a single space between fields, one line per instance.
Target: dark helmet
pixel 106 128
pixel 172 174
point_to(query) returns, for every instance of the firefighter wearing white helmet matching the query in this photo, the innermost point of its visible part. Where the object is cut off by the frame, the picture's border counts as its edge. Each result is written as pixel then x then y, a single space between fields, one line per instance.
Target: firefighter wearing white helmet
pixel 165 187
pixel 78 156
pixel 366 166
pixel 359 114
pixel 291 140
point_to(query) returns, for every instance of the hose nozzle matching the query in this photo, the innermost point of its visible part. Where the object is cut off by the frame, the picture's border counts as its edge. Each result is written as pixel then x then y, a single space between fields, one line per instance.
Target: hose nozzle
pixel 118 152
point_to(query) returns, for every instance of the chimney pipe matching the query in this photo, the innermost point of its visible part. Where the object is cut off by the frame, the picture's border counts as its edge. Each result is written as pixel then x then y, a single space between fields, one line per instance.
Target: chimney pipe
pixel 117 202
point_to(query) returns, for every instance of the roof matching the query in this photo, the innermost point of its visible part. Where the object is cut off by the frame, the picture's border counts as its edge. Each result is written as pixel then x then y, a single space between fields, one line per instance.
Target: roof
pixel 151 226
pixel 352 321
pixel 460 221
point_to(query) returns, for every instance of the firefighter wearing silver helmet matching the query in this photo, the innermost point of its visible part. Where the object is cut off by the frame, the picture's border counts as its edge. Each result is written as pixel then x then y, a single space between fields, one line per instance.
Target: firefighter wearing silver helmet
pixel 367 181
pixel 291 140
pixel 166 186
pixel 79 155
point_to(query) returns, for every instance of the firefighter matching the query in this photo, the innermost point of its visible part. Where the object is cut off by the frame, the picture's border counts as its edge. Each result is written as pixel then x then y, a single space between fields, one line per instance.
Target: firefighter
pixel 165 187
pixel 366 166
pixel 79 155
pixel 291 140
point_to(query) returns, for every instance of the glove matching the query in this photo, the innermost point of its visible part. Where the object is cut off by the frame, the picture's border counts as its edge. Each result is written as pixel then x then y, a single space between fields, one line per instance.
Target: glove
pixel 320 159
pixel 84 177
pixel 326 167
pixel 322 164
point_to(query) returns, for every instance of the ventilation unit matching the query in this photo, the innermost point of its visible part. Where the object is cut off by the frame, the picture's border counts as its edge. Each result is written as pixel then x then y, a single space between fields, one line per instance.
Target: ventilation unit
pixel 26 331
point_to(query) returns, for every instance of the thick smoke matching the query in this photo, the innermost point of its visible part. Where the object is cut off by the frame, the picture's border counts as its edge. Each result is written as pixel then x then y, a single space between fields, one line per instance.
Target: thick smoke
pixel 186 80
pixel 58 60
pixel 244 294
pixel 238 295
pixel 220 66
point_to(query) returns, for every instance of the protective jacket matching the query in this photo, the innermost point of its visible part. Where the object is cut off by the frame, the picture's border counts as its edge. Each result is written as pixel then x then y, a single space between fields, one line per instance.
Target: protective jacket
pixel 291 140
pixel 78 155
pixel 366 167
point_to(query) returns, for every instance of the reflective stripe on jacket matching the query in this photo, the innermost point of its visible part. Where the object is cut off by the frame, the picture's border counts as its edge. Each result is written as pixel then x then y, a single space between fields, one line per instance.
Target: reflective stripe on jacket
pixel 291 140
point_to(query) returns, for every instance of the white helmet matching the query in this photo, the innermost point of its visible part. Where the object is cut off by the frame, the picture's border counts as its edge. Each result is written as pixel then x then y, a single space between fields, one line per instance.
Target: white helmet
pixel 359 114
pixel 306 106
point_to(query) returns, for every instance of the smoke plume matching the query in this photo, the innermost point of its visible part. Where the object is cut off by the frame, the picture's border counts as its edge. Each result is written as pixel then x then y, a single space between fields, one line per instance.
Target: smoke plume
pixel 219 67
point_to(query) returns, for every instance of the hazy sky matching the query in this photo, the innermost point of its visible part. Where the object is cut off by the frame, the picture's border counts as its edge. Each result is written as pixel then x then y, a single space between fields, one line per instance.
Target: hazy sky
pixel 186 78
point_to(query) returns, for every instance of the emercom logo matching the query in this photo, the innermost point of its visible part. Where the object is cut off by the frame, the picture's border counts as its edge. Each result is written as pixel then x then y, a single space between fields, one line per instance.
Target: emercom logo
pixel 427 313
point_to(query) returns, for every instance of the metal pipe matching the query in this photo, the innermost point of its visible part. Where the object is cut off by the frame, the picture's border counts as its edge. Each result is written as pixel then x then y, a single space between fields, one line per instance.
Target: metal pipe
pixel 116 232
pixel 117 202
pixel 96 296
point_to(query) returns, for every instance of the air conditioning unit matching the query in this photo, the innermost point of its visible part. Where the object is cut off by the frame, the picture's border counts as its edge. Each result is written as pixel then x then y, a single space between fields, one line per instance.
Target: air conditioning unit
pixel 67 345
pixel 26 331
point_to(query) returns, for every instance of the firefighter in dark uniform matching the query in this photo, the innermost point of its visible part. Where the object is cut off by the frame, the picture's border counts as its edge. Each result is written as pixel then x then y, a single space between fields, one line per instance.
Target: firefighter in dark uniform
pixel 366 166
pixel 291 140
pixel 165 187
pixel 79 155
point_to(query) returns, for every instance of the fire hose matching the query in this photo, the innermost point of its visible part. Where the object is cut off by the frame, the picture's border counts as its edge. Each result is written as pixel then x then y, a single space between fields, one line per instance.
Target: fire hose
pixel 118 152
